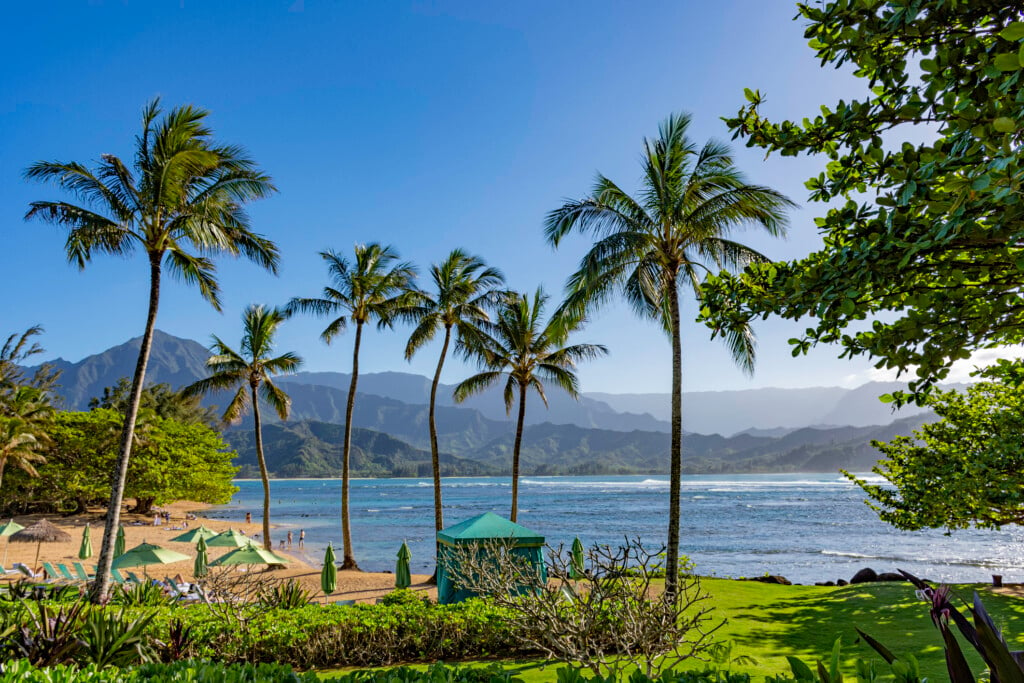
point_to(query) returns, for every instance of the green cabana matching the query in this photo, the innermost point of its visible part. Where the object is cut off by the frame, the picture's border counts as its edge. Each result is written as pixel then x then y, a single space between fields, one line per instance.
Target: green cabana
pixel 486 527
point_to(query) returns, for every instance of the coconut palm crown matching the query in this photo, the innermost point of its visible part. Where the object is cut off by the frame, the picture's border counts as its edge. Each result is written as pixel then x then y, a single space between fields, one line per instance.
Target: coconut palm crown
pixel 464 287
pixel 249 373
pixel 180 200
pixel 525 351
pixel 376 286
pixel 678 228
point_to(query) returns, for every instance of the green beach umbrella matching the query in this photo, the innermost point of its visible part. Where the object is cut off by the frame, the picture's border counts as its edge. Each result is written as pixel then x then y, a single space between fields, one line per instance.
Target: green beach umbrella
pixel 249 554
pixel 11 527
pixel 146 554
pixel 193 535
pixel 119 544
pixel 85 551
pixel 329 574
pixel 199 568
pixel 229 539
pixel 577 568
pixel 402 578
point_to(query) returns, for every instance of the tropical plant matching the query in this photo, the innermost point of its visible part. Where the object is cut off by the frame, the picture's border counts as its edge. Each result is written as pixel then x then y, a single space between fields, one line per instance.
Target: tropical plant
pixel 692 199
pixel 374 287
pixel 140 595
pixel 160 400
pixel 180 202
pixel 248 373
pixel 23 435
pixel 520 347
pixel 286 595
pixel 464 286
pixel 112 639
pixel 47 636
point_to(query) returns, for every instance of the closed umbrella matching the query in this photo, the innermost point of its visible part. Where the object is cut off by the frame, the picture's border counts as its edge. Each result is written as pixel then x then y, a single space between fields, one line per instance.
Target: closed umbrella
pixel 229 539
pixel 199 568
pixel 402 578
pixel 577 568
pixel 329 574
pixel 85 551
pixel 119 544
pixel 39 533
pixel 146 554
pixel 193 535
pixel 6 530
pixel 249 554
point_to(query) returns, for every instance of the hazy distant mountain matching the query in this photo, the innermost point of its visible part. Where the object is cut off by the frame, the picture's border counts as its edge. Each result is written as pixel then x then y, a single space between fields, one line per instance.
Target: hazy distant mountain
pixel 172 360
pixel 395 402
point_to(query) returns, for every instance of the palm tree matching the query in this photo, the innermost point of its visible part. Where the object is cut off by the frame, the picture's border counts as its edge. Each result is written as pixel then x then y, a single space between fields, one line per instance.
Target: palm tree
pixel 23 418
pixel 528 352
pixel 373 287
pixel 248 373
pixel 463 288
pixel 692 199
pixel 180 201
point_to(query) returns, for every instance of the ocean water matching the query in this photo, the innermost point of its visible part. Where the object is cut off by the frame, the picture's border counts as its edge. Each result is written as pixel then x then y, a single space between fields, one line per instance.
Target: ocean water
pixel 806 527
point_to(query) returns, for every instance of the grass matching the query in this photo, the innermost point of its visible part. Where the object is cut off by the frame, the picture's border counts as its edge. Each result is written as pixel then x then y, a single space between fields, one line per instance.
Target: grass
pixel 768 622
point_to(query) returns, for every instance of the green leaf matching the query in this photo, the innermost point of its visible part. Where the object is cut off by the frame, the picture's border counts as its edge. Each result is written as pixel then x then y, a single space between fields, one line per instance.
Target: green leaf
pixel 1007 61
pixel 801 671
pixel 1004 124
pixel 1015 31
pixel 929 65
pixel 749 94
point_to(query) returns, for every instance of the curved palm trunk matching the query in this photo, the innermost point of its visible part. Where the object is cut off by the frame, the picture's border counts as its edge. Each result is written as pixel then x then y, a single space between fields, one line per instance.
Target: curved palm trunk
pixel 435 459
pixel 515 452
pixel 3 466
pixel 267 542
pixel 676 468
pixel 348 558
pixel 101 585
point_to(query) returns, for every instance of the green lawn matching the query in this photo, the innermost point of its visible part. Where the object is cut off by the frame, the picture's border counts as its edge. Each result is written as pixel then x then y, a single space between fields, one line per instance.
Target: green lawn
pixel 769 622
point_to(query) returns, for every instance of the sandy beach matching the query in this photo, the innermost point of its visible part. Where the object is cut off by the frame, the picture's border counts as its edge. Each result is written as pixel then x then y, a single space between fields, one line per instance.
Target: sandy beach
pixel 352 585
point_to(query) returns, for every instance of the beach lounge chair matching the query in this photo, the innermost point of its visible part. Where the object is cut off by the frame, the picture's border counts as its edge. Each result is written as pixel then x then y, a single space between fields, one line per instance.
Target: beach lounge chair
pixel 132 578
pixel 21 567
pixel 4 570
pixel 51 573
pixel 116 577
pixel 66 573
pixel 81 573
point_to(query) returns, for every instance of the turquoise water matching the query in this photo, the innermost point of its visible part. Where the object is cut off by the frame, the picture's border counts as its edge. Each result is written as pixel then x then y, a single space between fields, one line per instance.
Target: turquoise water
pixel 807 527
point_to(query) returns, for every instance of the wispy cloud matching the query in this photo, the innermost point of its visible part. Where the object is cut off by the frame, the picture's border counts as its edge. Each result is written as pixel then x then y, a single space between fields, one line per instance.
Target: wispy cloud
pixel 959 372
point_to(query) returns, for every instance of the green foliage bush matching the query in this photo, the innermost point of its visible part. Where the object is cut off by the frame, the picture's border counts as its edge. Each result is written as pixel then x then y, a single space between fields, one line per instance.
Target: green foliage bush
pixel 22 671
pixel 439 673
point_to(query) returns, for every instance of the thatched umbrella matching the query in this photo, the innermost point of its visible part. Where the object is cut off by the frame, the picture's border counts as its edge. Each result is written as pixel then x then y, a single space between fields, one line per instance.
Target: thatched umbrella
pixel 39 533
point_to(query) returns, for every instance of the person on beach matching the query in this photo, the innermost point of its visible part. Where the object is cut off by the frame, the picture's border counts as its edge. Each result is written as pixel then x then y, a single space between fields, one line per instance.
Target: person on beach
pixel 289 539
pixel 248 518
pixel 302 537
pixel 280 546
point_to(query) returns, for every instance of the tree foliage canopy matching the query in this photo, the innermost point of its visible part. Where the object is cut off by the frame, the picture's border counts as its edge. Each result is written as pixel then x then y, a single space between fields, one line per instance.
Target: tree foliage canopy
pixel 928 233
pixel 965 469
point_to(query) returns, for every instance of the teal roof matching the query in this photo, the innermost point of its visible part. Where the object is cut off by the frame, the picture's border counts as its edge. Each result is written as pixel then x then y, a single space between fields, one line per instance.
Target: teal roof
pixel 488 525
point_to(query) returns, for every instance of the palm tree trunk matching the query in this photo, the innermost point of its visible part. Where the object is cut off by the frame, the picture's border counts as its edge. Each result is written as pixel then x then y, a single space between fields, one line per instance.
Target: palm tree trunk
pixel 101 585
pixel 348 558
pixel 3 465
pixel 676 468
pixel 267 542
pixel 435 460
pixel 515 451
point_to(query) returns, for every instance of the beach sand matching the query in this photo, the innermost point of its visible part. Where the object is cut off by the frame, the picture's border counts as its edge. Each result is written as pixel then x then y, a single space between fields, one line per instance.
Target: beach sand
pixel 352 585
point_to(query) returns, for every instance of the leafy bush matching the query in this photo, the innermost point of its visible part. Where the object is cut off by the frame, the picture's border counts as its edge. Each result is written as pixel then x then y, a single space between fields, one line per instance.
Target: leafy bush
pixel 140 595
pixel 495 674
pixel 22 671
pixel 112 639
pixel 45 637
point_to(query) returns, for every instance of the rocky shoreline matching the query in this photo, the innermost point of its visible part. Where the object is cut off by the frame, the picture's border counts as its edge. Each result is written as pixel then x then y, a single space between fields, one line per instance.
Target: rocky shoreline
pixel 865 575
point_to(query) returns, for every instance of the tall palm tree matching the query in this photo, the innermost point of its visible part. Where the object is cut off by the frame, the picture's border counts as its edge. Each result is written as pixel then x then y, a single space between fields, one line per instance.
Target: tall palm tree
pixel 463 288
pixel 248 373
pixel 527 352
pixel 691 201
pixel 23 418
pixel 180 201
pixel 375 287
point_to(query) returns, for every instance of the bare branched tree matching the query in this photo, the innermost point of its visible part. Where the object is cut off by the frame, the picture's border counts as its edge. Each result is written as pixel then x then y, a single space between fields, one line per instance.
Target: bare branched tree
pixel 615 618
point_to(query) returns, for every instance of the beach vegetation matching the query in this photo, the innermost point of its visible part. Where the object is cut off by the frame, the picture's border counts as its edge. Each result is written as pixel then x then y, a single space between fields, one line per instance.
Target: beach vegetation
pixel 966 468
pixel 286 595
pixel 173 461
pixel 922 209
pixel 180 201
pixel 464 288
pixel 249 374
pixel 374 287
pixel 158 399
pixel 675 232
pixel 525 351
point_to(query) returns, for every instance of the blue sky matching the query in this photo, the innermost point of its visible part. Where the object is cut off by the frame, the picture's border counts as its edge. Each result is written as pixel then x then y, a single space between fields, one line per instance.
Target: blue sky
pixel 427 125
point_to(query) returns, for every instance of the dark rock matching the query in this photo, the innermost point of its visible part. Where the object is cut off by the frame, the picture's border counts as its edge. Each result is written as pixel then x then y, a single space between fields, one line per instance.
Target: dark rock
pixel 842 582
pixel 890 576
pixel 866 575
pixel 781 580
pixel 825 583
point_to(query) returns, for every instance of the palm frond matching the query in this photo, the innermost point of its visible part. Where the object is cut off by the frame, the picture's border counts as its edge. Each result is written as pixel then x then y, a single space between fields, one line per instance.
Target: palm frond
pixel 476 384
pixel 276 398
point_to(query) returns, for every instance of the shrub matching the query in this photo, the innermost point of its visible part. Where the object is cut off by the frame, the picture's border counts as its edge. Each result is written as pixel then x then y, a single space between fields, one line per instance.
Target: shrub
pixel 112 639
pixel 22 671
pixel 140 595
pixel 287 595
